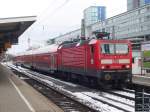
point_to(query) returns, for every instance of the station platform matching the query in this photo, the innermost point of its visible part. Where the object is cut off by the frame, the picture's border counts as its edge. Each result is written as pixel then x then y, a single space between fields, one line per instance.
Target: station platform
pixel 18 96
pixel 141 80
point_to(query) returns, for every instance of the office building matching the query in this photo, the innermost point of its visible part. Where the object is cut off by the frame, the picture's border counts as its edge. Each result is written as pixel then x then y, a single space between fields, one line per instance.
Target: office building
pixel 133 4
pixel 94 14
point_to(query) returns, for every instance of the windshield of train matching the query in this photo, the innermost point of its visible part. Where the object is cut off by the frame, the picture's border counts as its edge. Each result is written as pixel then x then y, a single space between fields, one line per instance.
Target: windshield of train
pixel 118 48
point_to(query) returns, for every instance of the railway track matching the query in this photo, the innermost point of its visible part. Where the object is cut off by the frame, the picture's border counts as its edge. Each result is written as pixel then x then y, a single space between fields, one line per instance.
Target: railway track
pixel 112 102
pixel 66 103
pixel 102 101
pixel 123 94
pixel 129 90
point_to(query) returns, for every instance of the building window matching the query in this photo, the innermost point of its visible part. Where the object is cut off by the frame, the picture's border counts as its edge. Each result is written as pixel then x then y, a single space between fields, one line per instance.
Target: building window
pixel 141 28
pixel 141 20
pixel 103 29
pixel 139 11
pixel 143 10
pixel 148 8
pixel 148 17
pixel 106 22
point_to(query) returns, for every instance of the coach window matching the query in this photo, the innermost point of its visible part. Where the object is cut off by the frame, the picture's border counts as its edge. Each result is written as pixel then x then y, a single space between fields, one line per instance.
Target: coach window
pixel 52 60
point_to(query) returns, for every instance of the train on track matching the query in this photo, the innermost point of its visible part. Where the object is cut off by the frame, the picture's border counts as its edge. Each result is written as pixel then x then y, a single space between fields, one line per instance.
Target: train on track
pixel 102 61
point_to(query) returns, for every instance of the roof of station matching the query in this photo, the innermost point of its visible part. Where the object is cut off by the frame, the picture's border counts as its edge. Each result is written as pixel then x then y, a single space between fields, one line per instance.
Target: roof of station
pixel 11 29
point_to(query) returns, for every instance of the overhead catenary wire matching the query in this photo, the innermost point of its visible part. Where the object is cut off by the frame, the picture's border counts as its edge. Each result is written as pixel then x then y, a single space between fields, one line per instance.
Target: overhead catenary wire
pixel 53 12
pixel 46 10
pixel 45 13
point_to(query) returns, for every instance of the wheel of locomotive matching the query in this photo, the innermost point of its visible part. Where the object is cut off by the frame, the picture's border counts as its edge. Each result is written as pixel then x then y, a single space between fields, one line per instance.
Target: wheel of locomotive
pixel 68 76
pixel 64 76
pixel 103 85
pixel 93 82
pixel 85 80
pixel 118 84
pixel 81 79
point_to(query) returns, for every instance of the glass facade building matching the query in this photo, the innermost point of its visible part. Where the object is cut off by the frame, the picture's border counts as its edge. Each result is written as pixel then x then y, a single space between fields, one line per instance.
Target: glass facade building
pixel 146 1
pixel 133 4
pixel 94 14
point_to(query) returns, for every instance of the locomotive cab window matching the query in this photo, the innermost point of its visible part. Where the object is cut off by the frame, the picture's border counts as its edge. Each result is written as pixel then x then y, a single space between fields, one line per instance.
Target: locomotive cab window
pixel 117 48
pixel 122 48
pixel 107 48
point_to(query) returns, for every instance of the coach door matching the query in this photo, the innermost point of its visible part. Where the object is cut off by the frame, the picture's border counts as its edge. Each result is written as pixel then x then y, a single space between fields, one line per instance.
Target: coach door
pixel 52 62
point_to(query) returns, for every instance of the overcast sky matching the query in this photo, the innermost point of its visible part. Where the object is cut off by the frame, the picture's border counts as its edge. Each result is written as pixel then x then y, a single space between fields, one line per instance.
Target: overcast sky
pixel 57 16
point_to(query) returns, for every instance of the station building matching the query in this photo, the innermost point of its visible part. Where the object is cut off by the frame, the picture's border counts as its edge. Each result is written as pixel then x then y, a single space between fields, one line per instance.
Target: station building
pixel 133 25
pixel 68 36
pixel 132 4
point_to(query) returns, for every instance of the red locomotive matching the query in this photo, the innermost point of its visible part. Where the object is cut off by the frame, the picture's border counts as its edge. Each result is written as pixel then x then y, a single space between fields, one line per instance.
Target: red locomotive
pixel 98 60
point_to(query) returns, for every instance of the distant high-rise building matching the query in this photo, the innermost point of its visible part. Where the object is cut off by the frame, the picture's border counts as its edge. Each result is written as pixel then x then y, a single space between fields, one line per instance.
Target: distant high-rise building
pixel 94 14
pixel 133 4
pixel 144 2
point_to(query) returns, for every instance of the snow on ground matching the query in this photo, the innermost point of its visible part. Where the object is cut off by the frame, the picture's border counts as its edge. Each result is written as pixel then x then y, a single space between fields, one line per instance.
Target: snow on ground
pixel 123 100
pixel 67 83
pixel 126 93
pixel 104 98
pixel 83 97
pixel 96 104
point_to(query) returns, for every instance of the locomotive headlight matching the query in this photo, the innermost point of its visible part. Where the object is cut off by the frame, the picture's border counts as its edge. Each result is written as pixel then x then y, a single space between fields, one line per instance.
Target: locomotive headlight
pixel 103 67
pixel 122 61
pixel 106 61
pixel 127 66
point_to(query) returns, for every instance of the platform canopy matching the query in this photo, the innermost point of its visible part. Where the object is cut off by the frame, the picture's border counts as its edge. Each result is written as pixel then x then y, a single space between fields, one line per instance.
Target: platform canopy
pixel 11 29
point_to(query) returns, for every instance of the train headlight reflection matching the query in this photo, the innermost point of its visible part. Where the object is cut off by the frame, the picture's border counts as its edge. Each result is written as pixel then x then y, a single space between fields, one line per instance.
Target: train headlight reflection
pixel 103 67
pixel 127 66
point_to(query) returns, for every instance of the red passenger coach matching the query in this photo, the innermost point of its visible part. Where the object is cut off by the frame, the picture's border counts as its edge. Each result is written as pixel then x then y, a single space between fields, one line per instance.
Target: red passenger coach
pixel 44 59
